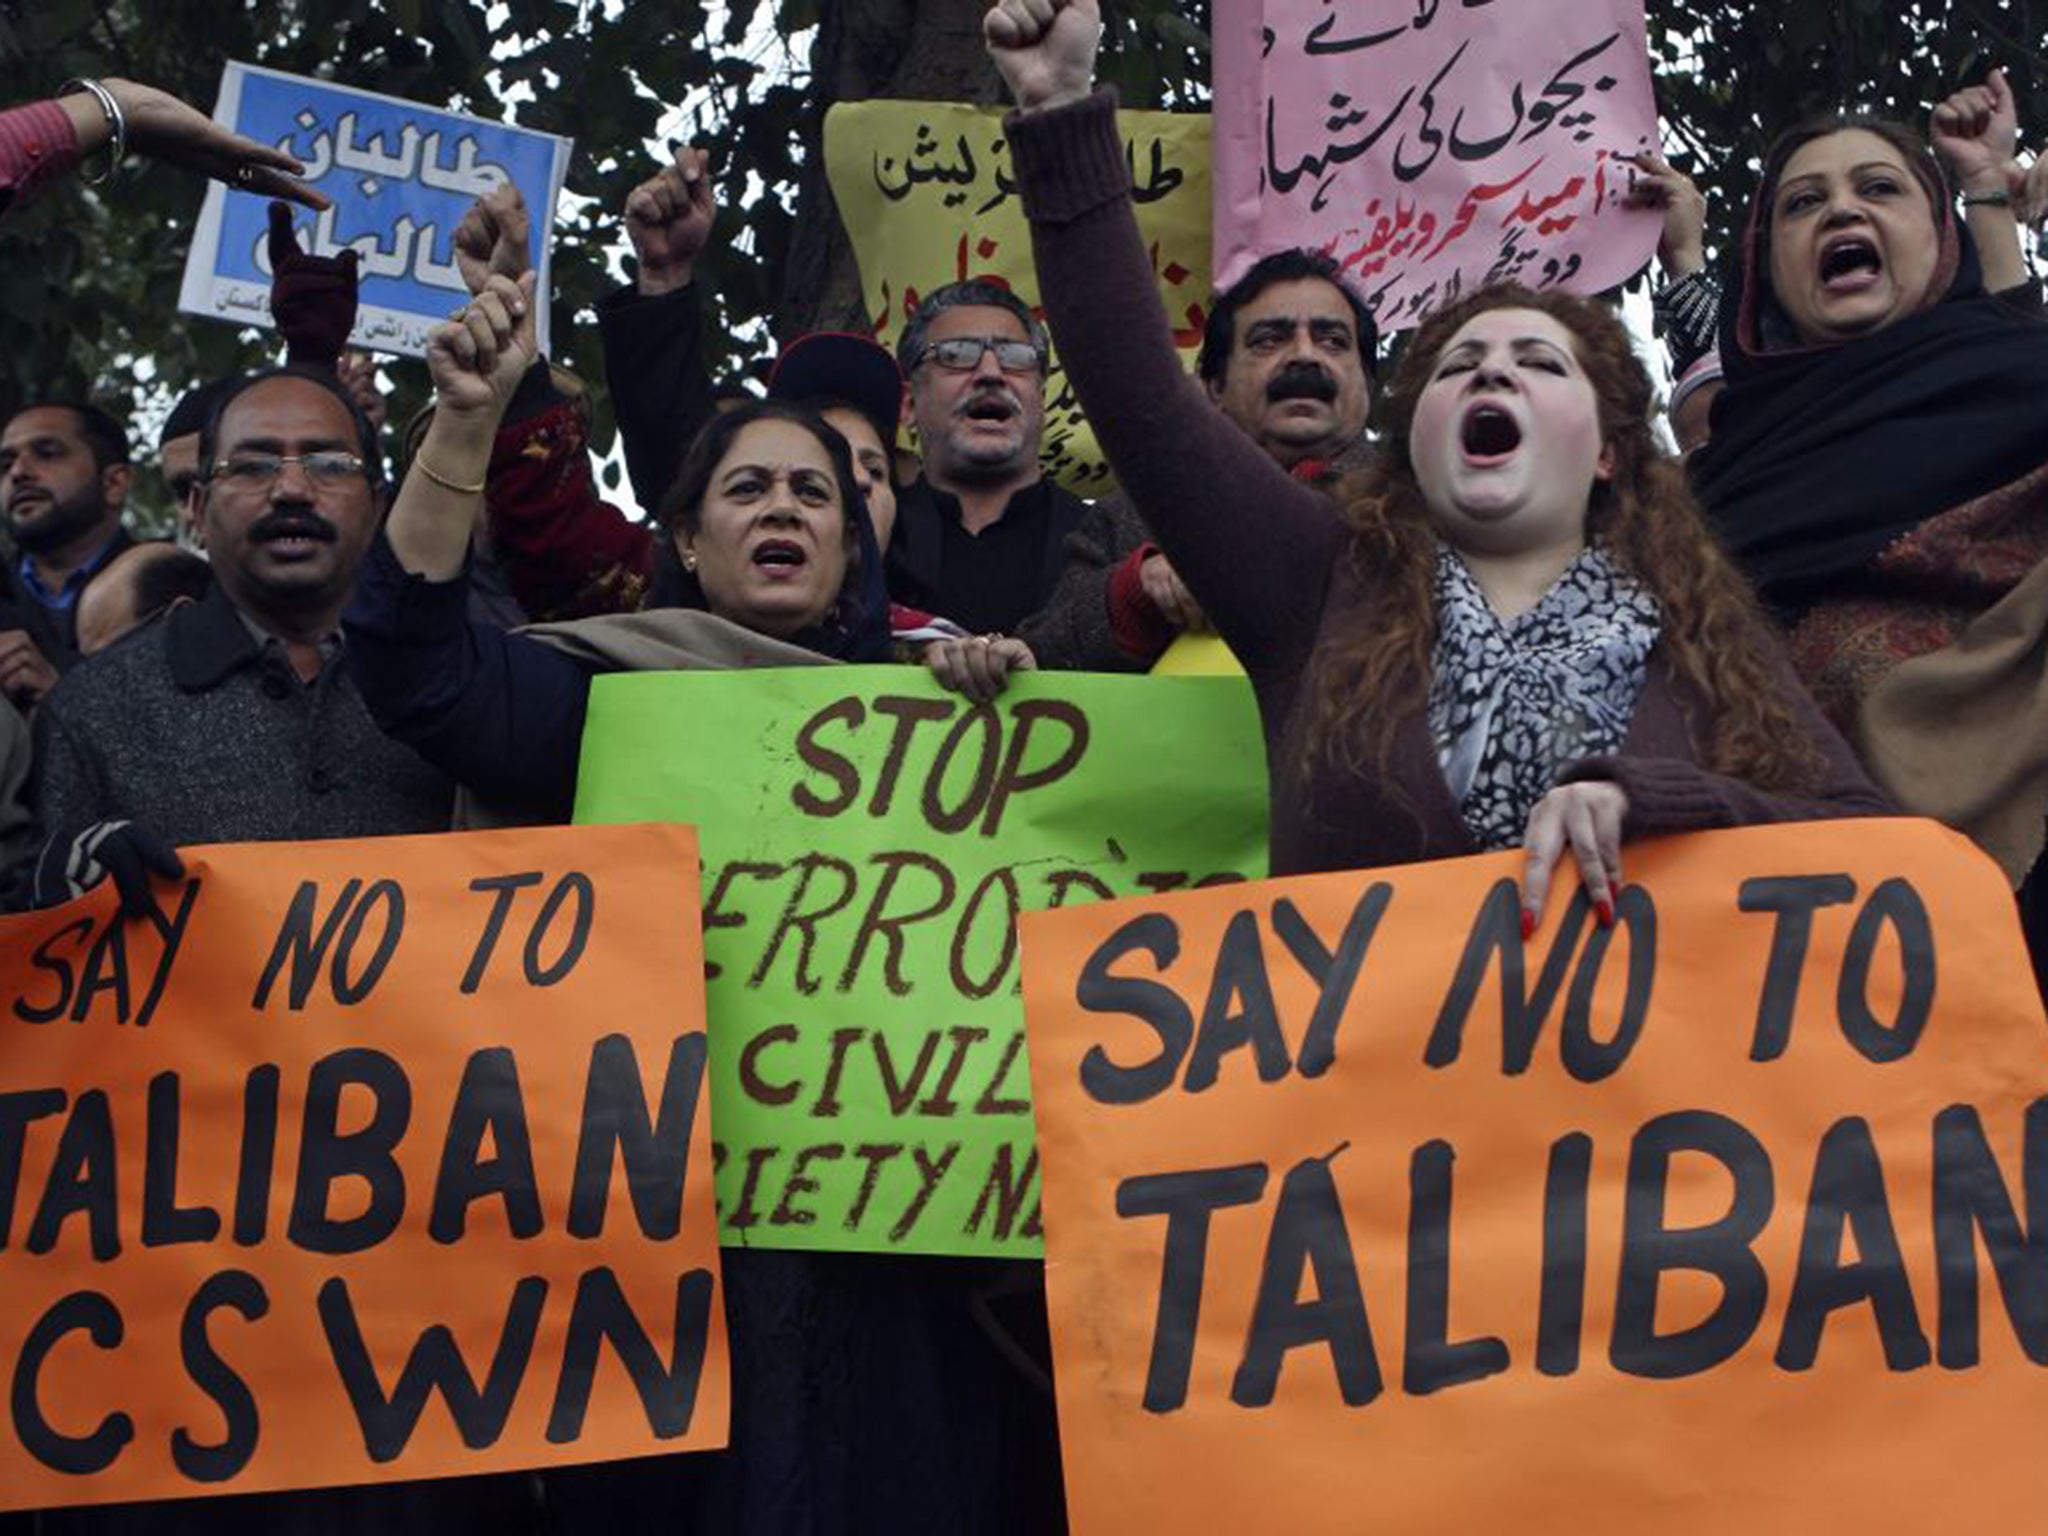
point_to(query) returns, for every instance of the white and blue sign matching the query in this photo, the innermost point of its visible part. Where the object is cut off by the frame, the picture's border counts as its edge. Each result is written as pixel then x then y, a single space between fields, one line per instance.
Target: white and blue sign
pixel 401 176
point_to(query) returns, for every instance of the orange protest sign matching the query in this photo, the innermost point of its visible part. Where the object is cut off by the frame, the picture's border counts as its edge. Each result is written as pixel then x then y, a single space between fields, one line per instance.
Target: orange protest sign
pixel 1364 1215
pixel 364 1161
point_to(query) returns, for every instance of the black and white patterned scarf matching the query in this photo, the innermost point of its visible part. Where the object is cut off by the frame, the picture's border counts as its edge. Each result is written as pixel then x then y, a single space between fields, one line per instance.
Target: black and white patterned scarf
pixel 1512 703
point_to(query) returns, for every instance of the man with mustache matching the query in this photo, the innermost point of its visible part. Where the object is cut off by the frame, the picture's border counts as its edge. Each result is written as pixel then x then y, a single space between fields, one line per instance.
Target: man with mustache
pixel 233 719
pixel 979 533
pixel 64 477
pixel 1286 354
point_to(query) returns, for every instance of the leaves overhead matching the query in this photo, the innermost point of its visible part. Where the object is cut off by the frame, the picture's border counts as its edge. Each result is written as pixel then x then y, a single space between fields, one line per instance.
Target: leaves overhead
pixel 88 281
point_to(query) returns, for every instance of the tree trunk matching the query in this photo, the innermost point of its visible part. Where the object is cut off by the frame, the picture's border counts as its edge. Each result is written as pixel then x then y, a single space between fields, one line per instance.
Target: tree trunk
pixel 910 50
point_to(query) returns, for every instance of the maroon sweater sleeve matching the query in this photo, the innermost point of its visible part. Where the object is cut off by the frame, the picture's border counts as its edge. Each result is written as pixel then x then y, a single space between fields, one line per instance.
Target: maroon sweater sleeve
pixel 1254 546
pixel 1676 794
pixel 36 145
pixel 567 552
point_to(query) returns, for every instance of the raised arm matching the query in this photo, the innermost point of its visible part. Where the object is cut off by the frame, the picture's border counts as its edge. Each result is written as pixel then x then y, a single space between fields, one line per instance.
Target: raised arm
pixel 1976 132
pixel 1253 545
pixel 653 330
pixel 500 713
pixel 42 139
pixel 476 361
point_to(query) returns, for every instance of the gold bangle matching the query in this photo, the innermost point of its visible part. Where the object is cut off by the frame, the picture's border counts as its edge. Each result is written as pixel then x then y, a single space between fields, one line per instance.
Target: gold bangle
pixel 420 463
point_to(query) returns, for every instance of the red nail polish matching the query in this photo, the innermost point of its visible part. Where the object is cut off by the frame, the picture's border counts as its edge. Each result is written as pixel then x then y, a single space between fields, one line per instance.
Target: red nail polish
pixel 1528 924
pixel 1605 909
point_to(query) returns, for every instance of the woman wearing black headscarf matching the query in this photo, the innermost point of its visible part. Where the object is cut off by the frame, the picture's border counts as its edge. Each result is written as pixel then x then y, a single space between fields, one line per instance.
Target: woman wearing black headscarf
pixel 768 559
pixel 1879 467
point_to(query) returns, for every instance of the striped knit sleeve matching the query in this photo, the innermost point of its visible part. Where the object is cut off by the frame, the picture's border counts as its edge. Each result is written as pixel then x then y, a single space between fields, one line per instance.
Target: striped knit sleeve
pixel 1689 317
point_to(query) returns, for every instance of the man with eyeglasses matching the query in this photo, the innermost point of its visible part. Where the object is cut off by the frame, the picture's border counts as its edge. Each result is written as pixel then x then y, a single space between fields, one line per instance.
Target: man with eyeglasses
pixel 64 478
pixel 233 719
pixel 979 532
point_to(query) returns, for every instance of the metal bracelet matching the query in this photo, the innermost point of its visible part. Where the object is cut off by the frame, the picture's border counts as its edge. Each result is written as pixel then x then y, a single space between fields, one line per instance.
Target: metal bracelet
pixel 117 126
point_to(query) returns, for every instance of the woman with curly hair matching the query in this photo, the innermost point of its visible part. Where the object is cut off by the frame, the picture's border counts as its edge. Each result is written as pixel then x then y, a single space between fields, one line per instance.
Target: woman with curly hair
pixel 1515 632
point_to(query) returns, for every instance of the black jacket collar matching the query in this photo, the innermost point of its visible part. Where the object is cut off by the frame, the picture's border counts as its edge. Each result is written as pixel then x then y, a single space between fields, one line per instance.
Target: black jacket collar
pixel 916 548
pixel 206 642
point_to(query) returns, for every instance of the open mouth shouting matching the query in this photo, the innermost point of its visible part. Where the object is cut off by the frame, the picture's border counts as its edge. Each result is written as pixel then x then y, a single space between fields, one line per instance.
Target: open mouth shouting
pixel 291 535
pixel 1849 263
pixel 780 559
pixel 996 407
pixel 1488 435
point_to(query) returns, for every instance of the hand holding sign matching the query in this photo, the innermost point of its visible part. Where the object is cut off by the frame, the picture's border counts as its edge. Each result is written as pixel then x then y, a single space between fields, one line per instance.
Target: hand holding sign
pixel 1044 48
pixel 1586 818
pixel 978 666
pixel 1682 247
pixel 669 218
pixel 492 238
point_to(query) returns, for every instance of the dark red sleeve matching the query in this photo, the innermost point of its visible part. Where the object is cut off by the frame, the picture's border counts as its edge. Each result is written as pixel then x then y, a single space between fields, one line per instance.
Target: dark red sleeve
pixel 567 552
pixel 36 146
pixel 1135 621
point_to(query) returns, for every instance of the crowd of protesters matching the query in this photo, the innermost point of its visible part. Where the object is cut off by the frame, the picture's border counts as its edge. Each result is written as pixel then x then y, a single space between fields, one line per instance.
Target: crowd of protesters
pixel 1501 615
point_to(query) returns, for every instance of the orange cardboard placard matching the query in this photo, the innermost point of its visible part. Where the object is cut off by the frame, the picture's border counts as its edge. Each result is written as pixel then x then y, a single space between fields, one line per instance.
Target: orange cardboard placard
pixel 364 1161
pixel 1362 1215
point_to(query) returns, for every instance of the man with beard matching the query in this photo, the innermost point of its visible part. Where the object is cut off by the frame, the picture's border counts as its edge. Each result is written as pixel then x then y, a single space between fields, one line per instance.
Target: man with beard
pixel 979 533
pixel 64 476
pixel 1286 354
pixel 233 718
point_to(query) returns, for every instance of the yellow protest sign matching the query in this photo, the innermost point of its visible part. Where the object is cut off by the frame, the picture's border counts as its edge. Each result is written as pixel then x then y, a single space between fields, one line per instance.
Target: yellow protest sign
pixel 1364 1214
pixel 365 1161
pixel 924 190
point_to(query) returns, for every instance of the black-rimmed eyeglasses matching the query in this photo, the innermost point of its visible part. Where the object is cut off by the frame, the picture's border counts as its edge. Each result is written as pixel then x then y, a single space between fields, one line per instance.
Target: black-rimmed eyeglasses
pixel 961 354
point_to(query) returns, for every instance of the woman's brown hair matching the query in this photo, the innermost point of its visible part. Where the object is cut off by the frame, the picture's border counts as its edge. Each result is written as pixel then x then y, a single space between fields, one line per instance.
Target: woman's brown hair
pixel 1713 635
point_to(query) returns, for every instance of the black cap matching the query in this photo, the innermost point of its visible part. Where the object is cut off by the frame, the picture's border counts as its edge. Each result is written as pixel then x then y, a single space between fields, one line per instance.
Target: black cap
pixel 839 365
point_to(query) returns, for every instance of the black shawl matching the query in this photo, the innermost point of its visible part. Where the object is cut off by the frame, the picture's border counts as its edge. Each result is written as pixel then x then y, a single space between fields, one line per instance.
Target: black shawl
pixel 1822 456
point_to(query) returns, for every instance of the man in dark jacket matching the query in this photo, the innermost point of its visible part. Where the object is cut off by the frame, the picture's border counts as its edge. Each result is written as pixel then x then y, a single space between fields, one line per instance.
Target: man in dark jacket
pixel 1287 354
pixel 232 719
pixel 64 477
pixel 979 533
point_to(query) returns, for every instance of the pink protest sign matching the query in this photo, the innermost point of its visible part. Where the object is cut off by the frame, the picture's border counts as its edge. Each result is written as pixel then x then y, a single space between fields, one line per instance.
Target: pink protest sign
pixel 1433 145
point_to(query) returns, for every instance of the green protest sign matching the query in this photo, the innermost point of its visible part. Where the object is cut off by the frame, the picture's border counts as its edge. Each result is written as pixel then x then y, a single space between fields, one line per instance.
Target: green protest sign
pixel 869 840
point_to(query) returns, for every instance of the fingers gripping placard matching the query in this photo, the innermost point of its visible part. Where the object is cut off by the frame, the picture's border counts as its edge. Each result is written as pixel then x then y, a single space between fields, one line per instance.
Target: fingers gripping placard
pixel 361 1161
pixel 1364 1214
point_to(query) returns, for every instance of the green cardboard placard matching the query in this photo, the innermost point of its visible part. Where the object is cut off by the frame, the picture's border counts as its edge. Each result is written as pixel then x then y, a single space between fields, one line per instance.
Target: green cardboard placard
pixel 868 842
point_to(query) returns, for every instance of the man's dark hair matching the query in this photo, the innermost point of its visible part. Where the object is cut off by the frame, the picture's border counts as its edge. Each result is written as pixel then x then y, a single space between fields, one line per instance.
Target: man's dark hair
pixel 166 577
pixel 193 407
pixel 366 435
pixel 105 438
pixel 974 293
pixel 1289 266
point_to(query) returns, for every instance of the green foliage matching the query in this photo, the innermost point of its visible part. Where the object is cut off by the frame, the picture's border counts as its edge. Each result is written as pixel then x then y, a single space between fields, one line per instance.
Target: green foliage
pixel 88 280
pixel 1730 77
